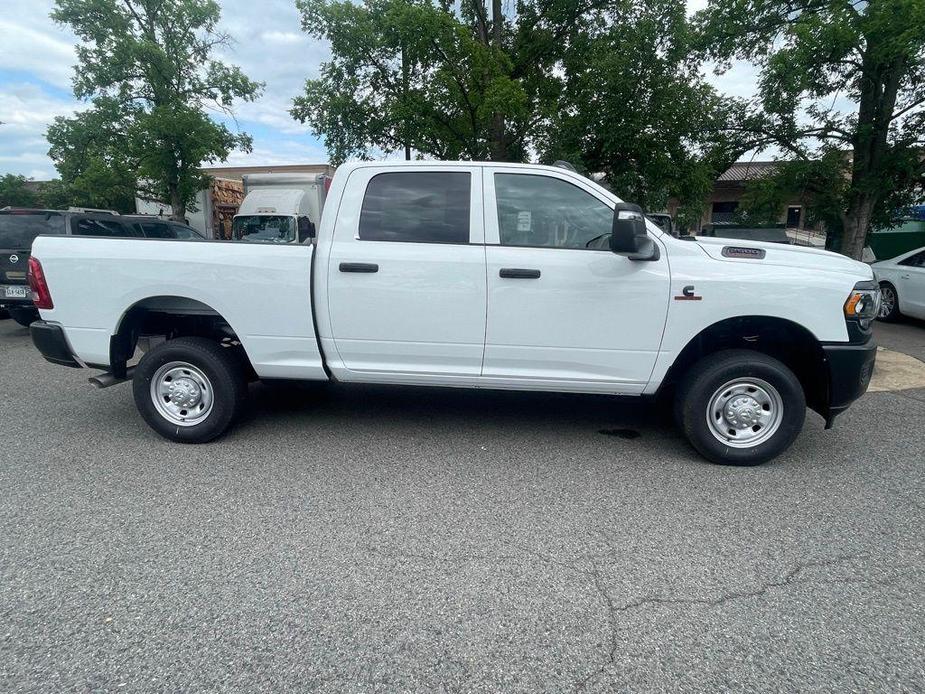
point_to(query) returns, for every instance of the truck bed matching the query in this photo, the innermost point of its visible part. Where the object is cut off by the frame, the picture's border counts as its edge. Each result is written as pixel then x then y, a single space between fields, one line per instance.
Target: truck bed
pixel 263 291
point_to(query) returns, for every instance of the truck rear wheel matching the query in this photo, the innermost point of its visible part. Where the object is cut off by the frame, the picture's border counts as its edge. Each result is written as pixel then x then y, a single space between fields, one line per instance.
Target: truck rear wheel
pixel 739 407
pixel 190 389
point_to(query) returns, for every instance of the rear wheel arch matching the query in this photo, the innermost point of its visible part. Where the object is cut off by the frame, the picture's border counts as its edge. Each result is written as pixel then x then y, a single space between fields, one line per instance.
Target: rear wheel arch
pixel 789 342
pixel 168 317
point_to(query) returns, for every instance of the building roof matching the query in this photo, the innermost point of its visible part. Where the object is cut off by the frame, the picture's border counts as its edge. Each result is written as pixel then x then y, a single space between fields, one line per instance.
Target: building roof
pixel 743 171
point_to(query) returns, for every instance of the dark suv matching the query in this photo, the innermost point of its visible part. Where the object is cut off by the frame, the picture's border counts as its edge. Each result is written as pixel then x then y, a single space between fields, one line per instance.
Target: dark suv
pixel 19 227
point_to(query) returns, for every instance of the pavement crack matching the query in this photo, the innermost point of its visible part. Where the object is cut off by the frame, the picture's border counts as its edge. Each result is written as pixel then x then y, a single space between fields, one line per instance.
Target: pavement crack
pixel 788 579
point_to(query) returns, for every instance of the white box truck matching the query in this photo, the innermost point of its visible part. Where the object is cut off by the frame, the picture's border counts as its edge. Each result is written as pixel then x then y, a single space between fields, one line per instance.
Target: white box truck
pixel 280 208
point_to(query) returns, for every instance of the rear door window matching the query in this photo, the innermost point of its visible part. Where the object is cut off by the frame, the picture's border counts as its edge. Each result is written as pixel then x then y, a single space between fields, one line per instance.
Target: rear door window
pixel 179 231
pixel 18 231
pixel 156 230
pixel 89 226
pixel 417 207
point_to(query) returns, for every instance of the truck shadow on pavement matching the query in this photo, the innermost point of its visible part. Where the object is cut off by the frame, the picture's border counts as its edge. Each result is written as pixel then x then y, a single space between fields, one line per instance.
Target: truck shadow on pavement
pixel 399 407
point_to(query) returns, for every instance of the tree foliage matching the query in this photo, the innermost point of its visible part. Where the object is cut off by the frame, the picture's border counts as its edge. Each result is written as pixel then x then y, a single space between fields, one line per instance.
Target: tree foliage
pixel 148 68
pixel 412 74
pixel 860 161
pixel 635 107
pixel 14 192
pixel 609 85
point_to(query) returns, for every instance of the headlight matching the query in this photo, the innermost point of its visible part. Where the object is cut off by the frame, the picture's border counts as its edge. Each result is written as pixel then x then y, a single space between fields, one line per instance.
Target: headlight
pixel 863 304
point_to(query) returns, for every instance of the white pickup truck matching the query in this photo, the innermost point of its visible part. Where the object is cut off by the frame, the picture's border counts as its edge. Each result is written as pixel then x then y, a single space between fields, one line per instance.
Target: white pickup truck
pixel 474 275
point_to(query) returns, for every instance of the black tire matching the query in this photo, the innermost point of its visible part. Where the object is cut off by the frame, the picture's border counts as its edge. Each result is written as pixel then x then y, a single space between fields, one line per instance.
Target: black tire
pixel 24 316
pixel 225 378
pixel 715 372
pixel 891 315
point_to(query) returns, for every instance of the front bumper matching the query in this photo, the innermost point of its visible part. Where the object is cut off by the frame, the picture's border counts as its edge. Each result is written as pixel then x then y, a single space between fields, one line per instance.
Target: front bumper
pixel 50 341
pixel 850 368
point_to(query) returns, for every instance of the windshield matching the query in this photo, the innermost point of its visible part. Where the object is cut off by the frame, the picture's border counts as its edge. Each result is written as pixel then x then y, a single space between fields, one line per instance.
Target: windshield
pixel 18 231
pixel 272 228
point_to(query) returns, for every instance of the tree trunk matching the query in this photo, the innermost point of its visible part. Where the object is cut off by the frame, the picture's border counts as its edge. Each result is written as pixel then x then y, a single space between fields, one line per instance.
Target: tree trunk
pixel 498 142
pixel 177 206
pixel 870 143
pixel 856 223
pixel 404 96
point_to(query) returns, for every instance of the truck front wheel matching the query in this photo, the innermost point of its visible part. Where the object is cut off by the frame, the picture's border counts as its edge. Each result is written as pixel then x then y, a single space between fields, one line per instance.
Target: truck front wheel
pixel 739 407
pixel 190 389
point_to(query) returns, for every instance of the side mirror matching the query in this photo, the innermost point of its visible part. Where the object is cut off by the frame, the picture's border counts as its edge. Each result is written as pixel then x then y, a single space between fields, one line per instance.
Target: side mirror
pixel 629 235
pixel 306 229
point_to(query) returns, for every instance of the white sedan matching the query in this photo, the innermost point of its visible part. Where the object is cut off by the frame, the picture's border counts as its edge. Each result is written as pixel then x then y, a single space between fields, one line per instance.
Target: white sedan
pixel 902 285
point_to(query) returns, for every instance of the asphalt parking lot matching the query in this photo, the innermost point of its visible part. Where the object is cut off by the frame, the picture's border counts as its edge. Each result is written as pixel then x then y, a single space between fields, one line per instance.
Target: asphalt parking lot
pixel 400 539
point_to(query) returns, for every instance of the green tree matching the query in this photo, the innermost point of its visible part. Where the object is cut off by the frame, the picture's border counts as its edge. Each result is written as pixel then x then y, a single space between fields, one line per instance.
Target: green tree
pixel 97 169
pixel 812 54
pixel 411 74
pixel 609 85
pixel 15 193
pixel 635 108
pixel 148 68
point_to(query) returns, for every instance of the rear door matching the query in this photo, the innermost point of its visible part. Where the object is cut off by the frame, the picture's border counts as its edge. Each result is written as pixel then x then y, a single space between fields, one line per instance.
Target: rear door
pixel 406 291
pixel 564 312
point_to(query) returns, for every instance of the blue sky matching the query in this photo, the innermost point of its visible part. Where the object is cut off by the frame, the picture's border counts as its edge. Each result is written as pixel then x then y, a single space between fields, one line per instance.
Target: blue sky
pixel 37 56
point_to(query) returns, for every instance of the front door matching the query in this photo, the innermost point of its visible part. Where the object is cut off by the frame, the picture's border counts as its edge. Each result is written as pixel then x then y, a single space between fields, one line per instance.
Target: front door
pixel 564 312
pixel 406 276
pixel 912 284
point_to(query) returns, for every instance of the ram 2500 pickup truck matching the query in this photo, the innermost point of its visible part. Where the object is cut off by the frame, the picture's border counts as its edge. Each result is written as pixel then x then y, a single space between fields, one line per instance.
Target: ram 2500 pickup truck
pixel 475 275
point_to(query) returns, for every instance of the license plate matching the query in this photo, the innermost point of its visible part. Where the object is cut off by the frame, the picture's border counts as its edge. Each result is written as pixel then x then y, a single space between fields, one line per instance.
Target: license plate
pixel 16 292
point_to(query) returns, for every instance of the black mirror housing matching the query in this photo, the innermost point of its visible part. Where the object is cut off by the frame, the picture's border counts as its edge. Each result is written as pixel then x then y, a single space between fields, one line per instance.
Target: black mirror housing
pixel 629 236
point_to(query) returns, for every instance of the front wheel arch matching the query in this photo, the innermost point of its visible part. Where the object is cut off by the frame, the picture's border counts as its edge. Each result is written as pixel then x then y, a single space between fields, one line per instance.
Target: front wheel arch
pixel 789 342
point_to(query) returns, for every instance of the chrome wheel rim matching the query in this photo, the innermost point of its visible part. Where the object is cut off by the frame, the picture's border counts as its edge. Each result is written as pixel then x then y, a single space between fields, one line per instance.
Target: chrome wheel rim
pixel 745 412
pixel 887 301
pixel 182 393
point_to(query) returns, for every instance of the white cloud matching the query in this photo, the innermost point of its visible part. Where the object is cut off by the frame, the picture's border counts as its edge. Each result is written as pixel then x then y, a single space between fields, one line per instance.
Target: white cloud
pixel 283 152
pixel 44 55
pixel 284 37
pixel 26 110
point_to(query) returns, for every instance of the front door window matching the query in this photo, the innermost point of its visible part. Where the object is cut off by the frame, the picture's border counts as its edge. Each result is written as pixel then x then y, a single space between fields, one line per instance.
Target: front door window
pixel 544 212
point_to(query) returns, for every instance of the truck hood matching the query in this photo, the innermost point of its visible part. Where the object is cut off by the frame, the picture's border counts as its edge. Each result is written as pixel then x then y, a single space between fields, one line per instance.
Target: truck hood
pixel 789 256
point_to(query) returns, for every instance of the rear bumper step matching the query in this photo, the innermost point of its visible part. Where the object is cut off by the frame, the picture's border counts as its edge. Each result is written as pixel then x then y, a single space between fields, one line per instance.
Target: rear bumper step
pixel 49 339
